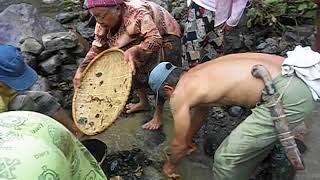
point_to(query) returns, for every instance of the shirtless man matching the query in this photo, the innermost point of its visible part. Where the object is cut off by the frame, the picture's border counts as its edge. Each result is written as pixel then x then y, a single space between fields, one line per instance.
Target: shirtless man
pixel 228 81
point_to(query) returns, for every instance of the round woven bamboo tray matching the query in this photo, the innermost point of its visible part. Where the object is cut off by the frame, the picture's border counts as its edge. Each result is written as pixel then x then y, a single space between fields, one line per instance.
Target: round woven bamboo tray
pixel 104 91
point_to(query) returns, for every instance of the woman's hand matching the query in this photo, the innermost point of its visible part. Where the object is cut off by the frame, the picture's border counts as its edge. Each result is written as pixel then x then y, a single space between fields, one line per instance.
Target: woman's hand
pixel 77 79
pixel 129 57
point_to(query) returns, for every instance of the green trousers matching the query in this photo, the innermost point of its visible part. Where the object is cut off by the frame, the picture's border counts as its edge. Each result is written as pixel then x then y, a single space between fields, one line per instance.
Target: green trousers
pixel 248 144
pixel 34 146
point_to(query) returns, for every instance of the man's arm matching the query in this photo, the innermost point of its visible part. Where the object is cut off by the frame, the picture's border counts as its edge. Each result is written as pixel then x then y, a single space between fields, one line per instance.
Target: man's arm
pixel 98 45
pixel 179 147
pixel 182 123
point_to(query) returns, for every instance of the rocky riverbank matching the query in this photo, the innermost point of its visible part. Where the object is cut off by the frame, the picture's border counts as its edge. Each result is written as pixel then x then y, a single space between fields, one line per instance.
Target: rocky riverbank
pixel 55 46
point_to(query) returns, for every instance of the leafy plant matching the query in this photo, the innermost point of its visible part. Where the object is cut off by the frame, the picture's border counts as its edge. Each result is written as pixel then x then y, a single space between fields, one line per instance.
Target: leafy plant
pixel 270 12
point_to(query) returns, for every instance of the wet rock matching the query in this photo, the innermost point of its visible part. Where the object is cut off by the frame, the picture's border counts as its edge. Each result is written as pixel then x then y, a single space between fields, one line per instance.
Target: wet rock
pixel 163 3
pixel 19 21
pixel 79 61
pixel 59 40
pixel 262 46
pixel 54 80
pixel 67 72
pixel 249 42
pixel 128 164
pixel 30 59
pixel 78 51
pixel 235 111
pixel 49 1
pixel 31 45
pixel 51 65
pixel 233 41
pixel 66 17
pixel 272 41
pixel 84 16
pixel 212 142
pixel 270 46
pixel 58 95
pixel 297 33
pixel 46 55
pixel 178 12
pixel 42 84
pixel 85 31
pixel 66 57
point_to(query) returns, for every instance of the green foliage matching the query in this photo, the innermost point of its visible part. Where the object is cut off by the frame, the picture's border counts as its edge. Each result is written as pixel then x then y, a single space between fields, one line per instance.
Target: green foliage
pixel 270 12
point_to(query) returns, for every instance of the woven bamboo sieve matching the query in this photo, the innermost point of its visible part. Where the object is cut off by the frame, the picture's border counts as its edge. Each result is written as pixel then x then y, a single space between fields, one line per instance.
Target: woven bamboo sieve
pixel 104 91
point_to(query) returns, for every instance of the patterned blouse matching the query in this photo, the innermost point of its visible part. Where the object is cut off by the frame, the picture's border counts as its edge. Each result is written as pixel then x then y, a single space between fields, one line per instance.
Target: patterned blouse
pixel 142 20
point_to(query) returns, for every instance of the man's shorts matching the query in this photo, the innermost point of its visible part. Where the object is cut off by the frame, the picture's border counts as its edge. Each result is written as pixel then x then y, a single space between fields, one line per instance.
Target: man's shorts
pixel 248 144
pixel 37 101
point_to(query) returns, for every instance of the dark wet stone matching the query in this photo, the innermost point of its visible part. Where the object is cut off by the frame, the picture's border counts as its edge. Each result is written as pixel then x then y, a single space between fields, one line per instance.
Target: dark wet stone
pixel 59 40
pixel 66 17
pixel 78 51
pixel 84 16
pixel 178 12
pixel 67 72
pixel 58 95
pixel 85 31
pixel 49 1
pixel 66 57
pixel 79 61
pixel 53 78
pixel 31 45
pixel 235 111
pixel 261 46
pixel 127 164
pixel 46 55
pixel 30 59
pixel 20 21
pixel 51 65
pixel 42 84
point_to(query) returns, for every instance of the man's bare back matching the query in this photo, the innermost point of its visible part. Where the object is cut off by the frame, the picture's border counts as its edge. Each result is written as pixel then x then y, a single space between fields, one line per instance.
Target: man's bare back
pixel 226 80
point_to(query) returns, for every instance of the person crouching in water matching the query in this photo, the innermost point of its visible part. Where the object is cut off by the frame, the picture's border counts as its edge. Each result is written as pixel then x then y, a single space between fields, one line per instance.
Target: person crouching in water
pixel 144 30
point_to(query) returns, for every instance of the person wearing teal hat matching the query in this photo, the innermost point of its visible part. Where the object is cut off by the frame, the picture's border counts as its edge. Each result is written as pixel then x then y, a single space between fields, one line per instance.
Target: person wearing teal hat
pixel 16 77
pixel 34 146
pixel 228 81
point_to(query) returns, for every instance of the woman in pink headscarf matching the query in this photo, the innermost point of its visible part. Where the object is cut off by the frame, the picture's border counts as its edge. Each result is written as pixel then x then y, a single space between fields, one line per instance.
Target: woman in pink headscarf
pixel 145 30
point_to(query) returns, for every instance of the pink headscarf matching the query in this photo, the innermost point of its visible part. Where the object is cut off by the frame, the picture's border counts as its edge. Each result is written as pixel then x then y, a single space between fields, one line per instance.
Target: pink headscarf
pixel 103 3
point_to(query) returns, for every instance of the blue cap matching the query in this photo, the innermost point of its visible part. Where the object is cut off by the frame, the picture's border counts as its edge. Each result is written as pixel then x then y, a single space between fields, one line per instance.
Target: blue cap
pixel 14 72
pixel 159 74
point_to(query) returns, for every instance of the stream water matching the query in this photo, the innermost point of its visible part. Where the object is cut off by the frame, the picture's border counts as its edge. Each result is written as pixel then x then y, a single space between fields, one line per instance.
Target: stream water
pixel 127 133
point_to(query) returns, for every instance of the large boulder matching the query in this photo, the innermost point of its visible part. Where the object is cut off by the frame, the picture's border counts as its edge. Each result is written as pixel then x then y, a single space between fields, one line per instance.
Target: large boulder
pixel 31 45
pixel 59 40
pixel 50 66
pixel 20 21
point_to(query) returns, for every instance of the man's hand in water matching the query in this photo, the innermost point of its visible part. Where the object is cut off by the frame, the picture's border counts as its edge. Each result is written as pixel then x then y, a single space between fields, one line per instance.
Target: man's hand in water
pixel 129 57
pixel 169 168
